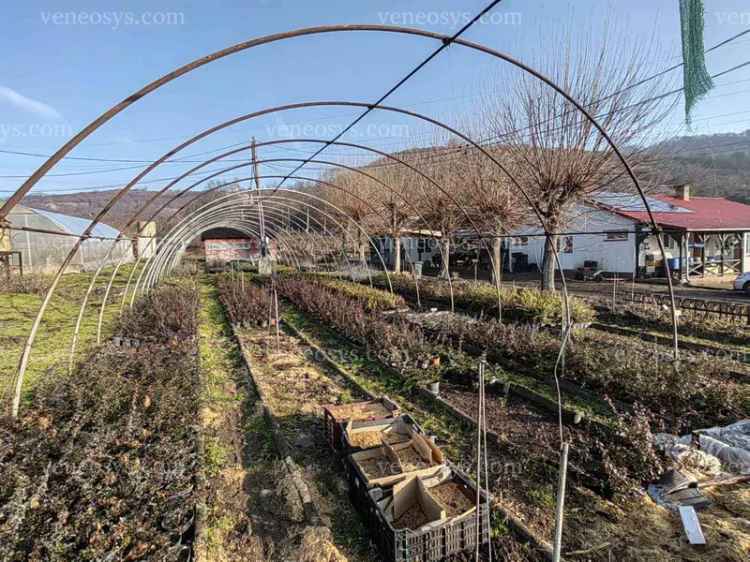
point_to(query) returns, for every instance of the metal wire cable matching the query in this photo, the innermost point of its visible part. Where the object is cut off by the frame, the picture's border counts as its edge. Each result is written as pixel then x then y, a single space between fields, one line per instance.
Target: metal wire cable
pixel 446 43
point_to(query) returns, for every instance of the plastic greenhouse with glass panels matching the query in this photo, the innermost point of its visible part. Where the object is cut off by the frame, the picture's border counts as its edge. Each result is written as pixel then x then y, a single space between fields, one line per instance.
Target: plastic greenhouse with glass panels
pixel 43 252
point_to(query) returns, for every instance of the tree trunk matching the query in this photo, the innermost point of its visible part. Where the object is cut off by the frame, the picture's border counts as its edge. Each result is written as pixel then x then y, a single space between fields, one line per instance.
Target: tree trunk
pixel 445 256
pixel 497 258
pixel 397 253
pixel 360 247
pixel 549 264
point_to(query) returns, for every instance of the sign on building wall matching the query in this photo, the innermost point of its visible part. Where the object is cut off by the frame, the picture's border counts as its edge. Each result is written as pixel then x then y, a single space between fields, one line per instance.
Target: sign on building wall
pixel 221 251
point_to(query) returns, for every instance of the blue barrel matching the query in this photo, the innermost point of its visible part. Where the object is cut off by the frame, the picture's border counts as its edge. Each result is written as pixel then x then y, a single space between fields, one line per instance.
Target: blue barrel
pixel 674 264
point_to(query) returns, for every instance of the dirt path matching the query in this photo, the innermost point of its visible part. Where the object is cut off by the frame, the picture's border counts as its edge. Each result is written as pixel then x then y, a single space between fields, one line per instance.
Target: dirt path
pixel 250 509
pixel 295 389
pixel 225 528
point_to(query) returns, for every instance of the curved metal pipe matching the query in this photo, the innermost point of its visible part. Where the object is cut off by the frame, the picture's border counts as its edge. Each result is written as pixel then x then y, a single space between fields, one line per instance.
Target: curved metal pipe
pixel 48 164
pixel 227 200
pixel 325 203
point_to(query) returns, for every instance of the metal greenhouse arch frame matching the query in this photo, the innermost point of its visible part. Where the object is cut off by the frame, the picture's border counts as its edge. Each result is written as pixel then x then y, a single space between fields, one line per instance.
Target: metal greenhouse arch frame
pixel 103 118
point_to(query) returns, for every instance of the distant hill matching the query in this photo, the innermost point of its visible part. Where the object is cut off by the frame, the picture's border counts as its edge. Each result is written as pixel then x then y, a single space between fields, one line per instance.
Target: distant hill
pixel 87 204
pixel 716 165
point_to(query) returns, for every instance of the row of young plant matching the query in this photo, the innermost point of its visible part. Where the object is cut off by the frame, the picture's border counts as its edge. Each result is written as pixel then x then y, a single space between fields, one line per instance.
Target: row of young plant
pixel 619 457
pixel 102 463
pixel 701 391
pixel 731 331
pixel 372 298
pixel 247 303
pixel 518 304
pixel 395 342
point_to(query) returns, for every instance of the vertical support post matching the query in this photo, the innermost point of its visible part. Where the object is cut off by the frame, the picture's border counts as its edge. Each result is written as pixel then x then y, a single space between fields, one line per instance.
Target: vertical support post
pixel 261 218
pixel 614 293
pixel 480 427
pixel 276 307
pixel 681 255
pixel 638 240
pixel 557 547
pixel 686 246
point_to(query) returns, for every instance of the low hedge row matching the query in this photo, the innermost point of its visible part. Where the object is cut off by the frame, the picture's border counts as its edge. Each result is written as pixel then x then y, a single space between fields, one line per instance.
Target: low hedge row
pixel 700 392
pixel 246 303
pixel 372 299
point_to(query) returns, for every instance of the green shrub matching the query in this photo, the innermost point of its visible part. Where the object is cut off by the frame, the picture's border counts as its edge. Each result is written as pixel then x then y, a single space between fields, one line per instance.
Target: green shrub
pixel 522 304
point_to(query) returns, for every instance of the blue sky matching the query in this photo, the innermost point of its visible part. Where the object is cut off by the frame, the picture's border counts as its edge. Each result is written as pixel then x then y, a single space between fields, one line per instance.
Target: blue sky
pixel 66 62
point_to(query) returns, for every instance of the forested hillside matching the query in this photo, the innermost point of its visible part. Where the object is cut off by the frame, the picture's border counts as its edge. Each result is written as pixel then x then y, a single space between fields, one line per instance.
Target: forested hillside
pixel 717 165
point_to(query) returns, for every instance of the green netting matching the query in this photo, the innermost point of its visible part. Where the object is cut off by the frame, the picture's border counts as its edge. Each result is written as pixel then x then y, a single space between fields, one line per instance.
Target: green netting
pixel 696 79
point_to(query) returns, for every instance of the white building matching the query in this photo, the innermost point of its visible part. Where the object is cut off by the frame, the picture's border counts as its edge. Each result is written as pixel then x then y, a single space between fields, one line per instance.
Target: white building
pixel 416 247
pixel 612 233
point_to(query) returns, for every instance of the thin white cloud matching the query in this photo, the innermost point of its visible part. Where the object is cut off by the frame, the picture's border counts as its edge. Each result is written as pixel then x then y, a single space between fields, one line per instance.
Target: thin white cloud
pixel 27 104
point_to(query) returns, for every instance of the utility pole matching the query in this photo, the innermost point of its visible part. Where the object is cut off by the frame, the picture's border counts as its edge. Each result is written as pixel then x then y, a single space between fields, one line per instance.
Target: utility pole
pixel 261 218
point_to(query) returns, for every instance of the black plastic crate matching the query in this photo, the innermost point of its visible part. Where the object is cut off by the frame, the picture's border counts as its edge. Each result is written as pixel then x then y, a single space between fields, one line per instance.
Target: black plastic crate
pixel 429 545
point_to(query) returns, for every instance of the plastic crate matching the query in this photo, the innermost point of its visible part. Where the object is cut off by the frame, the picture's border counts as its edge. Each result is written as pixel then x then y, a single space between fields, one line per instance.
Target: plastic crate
pixel 429 545
pixel 336 415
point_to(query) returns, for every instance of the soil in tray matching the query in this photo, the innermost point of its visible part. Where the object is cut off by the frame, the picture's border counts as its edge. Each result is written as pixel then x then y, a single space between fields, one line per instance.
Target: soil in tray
pixel 412 518
pixel 453 497
pixel 366 439
pixel 358 411
pixel 370 439
pixel 378 468
pixel 410 459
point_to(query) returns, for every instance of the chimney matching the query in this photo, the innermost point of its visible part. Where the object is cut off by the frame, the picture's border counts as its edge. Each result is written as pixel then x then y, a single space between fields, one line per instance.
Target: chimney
pixel 682 191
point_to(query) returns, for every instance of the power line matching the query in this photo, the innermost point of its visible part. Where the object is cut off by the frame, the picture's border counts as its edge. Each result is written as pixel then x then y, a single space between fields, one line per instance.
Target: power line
pixel 110 186
pixel 445 44
pixel 494 141
pixel 185 159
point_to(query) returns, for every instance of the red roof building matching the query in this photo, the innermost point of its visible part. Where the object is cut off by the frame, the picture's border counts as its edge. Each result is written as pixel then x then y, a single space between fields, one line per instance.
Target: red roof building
pixel 697 214
pixel 712 233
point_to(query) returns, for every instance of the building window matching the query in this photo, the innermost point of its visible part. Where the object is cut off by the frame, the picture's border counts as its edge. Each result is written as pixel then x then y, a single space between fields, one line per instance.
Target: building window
pixel 616 235
pixel 747 244
pixel 565 244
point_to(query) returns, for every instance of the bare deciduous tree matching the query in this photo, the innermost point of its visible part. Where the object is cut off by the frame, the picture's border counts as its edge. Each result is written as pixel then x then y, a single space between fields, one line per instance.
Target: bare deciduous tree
pixel 557 155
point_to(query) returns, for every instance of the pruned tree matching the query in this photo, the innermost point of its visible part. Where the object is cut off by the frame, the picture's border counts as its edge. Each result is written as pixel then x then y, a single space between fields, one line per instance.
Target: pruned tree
pixel 352 198
pixel 491 200
pixel 441 209
pixel 557 155
pixel 395 203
